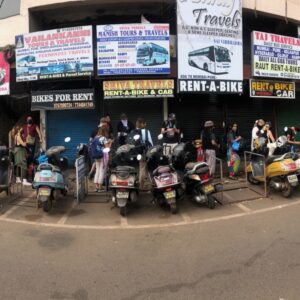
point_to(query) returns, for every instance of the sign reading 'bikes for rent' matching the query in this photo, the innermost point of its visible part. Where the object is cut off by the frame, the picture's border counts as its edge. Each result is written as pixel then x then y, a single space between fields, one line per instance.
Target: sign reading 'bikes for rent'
pixel 272 89
pixel 210 47
pixel 53 54
pixel 275 55
pixel 64 99
pixel 133 49
pixel 158 88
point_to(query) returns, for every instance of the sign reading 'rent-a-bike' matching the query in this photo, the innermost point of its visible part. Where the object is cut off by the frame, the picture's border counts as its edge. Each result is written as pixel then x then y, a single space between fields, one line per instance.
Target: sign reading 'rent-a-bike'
pixel 54 54
pixel 275 55
pixel 210 46
pixel 130 49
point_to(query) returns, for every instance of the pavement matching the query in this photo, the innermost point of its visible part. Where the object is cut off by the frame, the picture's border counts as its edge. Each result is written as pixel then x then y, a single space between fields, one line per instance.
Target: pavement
pixel 245 250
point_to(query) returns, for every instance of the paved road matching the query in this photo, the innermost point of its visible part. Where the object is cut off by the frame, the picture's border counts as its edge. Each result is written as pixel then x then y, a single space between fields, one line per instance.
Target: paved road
pixel 255 256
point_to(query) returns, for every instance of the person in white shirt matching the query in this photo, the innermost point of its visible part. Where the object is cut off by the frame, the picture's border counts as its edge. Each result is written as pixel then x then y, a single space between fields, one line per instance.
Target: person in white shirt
pixel 258 125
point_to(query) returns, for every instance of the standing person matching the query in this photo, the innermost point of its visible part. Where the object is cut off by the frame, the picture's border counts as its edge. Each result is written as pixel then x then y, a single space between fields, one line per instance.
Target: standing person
pixel 270 135
pixel 291 138
pixel 20 153
pixel 124 127
pixel 233 159
pixel 171 132
pixel 258 125
pixel 109 126
pixel 209 145
pixel 99 143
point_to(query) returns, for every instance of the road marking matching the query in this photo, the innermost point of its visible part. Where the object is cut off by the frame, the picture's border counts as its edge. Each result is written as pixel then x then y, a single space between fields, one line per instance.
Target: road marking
pixel 244 207
pixel 186 217
pixel 63 219
pixel 16 206
pixel 150 226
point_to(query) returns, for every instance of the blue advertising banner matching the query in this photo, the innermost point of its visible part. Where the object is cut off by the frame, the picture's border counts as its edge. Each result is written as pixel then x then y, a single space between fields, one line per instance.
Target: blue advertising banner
pixel 133 49
pixel 53 54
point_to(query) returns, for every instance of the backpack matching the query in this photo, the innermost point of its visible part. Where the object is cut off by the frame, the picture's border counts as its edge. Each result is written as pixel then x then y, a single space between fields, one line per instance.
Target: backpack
pixel 96 148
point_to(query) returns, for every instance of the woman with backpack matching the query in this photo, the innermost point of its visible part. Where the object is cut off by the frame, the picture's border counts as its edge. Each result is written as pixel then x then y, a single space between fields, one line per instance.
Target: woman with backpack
pixel 233 159
pixel 100 142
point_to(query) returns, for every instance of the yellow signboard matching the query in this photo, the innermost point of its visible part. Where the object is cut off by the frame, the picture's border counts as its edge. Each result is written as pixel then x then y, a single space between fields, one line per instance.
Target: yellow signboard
pixel 152 88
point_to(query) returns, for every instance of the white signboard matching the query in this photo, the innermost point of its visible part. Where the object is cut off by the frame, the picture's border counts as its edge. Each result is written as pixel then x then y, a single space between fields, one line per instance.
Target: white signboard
pixel 133 49
pixel 275 55
pixel 52 54
pixel 210 47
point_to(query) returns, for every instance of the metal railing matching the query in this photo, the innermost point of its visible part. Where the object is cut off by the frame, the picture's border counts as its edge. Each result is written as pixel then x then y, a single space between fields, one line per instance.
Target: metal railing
pixel 262 157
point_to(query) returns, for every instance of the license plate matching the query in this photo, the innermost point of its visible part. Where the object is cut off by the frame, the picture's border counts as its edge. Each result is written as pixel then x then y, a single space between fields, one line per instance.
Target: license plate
pixel 169 195
pixel 44 192
pixel 292 178
pixel 122 195
pixel 208 188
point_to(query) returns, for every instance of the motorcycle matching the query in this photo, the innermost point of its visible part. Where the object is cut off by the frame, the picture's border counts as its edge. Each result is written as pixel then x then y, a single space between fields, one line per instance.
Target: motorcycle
pixel 123 177
pixel 166 183
pixel 196 178
pixel 6 170
pixel 280 171
pixel 51 177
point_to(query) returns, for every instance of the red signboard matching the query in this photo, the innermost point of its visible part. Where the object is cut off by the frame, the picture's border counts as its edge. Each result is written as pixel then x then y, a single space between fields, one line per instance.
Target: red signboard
pixel 4 75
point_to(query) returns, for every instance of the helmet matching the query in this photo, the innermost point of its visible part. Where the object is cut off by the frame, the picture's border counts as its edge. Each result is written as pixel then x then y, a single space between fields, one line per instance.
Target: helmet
pixel 172 116
pixel 281 141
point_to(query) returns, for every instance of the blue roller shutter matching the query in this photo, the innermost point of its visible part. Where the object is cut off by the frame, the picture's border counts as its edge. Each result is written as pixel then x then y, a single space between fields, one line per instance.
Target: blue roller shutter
pixel 77 124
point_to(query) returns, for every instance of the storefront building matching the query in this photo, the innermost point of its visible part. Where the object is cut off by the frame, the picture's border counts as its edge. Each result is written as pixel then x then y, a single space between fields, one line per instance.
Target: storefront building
pixel 198 66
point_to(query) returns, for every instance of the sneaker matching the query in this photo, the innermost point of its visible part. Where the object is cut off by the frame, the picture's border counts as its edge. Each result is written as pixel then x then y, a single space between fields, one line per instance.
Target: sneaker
pixel 26 183
pixel 18 180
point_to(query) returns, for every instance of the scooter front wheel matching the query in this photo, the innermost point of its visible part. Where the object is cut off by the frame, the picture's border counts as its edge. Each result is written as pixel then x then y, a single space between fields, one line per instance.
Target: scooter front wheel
pixel 251 179
pixel 287 190
pixel 211 202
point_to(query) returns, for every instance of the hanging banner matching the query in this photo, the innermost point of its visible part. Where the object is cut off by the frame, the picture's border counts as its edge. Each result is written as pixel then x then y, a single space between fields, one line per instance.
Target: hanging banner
pixel 272 89
pixel 53 54
pixel 4 75
pixel 210 46
pixel 275 55
pixel 64 99
pixel 158 88
pixel 130 49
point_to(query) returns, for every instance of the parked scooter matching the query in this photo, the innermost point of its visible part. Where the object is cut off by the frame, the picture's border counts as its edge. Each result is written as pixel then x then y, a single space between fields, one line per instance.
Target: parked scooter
pixel 6 170
pixel 123 179
pixel 51 177
pixel 196 178
pixel 166 184
pixel 280 172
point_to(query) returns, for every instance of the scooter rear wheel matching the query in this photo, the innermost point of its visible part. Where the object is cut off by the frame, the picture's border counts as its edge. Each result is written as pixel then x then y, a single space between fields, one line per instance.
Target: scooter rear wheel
pixel 123 211
pixel 211 202
pixel 251 179
pixel 47 205
pixel 174 208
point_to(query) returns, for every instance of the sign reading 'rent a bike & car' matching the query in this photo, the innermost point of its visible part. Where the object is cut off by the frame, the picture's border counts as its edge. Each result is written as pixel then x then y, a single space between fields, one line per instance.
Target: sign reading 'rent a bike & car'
pixel 64 99
pixel 156 88
pixel 272 89
pixel 275 55
pixel 210 46
pixel 55 54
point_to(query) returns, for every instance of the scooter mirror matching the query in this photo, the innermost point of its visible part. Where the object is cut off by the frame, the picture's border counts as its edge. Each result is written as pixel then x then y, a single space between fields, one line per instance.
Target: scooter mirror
pixel 139 157
pixel 286 129
pixel 160 137
pixel 67 139
pixel 181 135
pixel 106 150
pixel 136 137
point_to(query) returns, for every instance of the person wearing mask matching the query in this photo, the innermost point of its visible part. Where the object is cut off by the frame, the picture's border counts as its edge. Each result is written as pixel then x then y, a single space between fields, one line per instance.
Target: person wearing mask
pixel 20 153
pixel 101 161
pixel 124 127
pixel 233 159
pixel 171 134
pixel 291 138
pixel 258 125
pixel 209 145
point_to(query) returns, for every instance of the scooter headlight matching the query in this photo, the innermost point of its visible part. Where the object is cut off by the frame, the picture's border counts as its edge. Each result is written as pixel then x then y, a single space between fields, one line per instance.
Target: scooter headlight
pixel 195 177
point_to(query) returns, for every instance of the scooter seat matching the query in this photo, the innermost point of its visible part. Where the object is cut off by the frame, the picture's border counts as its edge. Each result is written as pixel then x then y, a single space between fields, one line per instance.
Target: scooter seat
pixel 125 169
pixel 161 170
pixel 197 167
pixel 48 167
pixel 275 158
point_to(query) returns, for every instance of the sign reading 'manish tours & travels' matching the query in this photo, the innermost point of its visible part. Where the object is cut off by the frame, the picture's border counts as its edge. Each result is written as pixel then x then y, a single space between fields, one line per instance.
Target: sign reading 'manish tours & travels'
pixel 55 54
pixel 272 89
pixel 131 49
pixel 210 46
pixel 275 55
pixel 63 99
pixel 155 88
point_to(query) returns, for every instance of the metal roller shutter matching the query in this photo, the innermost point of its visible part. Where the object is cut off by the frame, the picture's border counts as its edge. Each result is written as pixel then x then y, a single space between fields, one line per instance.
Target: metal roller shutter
pixel 193 111
pixel 149 109
pixel 77 124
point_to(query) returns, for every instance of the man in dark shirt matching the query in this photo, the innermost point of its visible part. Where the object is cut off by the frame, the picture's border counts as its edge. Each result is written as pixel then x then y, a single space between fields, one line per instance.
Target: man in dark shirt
pixel 124 127
pixel 171 133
